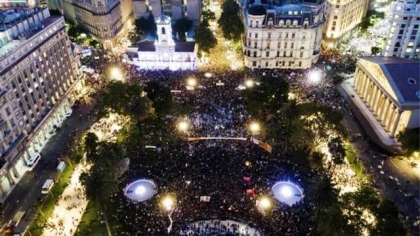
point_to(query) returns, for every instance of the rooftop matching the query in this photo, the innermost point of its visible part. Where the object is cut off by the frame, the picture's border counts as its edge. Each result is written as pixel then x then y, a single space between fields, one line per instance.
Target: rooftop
pixel 402 74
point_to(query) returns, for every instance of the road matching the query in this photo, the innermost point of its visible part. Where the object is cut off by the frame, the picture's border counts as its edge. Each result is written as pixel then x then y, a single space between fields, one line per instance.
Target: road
pixel 28 190
pixel 402 192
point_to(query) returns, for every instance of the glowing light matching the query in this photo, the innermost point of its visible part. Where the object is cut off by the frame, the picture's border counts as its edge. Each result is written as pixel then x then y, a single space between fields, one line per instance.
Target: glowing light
pixel 286 191
pixel 416 154
pixel 291 96
pixel 247 163
pixel 265 203
pixel 315 76
pixel 192 82
pixel 140 190
pixel 254 127
pixel 168 203
pixel 183 126
pixel 116 74
pixel 208 75
pixel 249 83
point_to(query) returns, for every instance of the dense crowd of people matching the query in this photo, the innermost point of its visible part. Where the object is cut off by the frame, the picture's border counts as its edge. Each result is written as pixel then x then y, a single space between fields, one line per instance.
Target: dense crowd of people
pixel 212 168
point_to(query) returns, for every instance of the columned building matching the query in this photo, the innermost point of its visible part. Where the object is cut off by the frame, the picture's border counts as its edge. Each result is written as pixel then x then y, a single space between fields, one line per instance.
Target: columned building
pixel 342 16
pixel 37 78
pixel 283 34
pixel 390 91
pixel 404 35
pixel 106 20
pixel 163 52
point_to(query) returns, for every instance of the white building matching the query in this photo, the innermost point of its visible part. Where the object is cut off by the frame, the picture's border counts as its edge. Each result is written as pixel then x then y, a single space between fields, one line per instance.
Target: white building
pixel 176 9
pixel 37 75
pixel 386 93
pixel 342 16
pixel 107 20
pixel 163 52
pixel 283 35
pixel 404 35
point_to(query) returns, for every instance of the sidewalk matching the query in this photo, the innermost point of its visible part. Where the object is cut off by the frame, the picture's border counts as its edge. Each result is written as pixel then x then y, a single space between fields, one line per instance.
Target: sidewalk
pixel 70 208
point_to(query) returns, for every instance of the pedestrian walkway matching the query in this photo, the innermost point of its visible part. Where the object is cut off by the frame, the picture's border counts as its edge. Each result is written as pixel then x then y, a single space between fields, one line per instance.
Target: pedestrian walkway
pixel 70 207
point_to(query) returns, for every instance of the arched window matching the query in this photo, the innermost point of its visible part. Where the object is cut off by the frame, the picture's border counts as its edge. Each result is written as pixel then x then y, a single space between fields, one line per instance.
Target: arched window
pixel 281 22
pixel 163 30
pixel 256 23
pixel 250 23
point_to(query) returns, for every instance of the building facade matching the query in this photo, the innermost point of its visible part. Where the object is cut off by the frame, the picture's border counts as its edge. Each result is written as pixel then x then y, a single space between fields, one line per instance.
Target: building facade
pixel 38 73
pixel 404 36
pixel 390 95
pixel 342 16
pixel 106 20
pixel 176 9
pixel 163 52
pixel 285 35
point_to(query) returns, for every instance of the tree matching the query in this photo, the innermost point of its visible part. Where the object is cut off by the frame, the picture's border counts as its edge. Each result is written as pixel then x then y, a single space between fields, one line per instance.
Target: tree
pixel 146 25
pixel 324 195
pixel 356 203
pixel 94 43
pixel 91 144
pixel 230 21
pixel 207 16
pixel 160 96
pixel 410 140
pixel 98 188
pixel 139 108
pixel 205 39
pixel 182 26
pixel 291 113
pixel 333 222
pixel 269 96
pixel 375 50
pixel 388 223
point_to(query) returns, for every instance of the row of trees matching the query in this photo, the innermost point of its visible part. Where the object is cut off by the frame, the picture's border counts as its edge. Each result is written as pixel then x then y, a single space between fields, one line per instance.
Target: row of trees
pixel 107 159
pixel 230 21
pixel 204 37
pixel 291 125
pixel 353 213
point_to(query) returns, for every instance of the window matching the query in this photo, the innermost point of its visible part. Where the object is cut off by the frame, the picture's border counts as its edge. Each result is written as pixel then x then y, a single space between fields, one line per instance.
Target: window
pixel 293 35
pixel 292 46
pixel 256 35
pixel 301 54
pixel 335 17
pixel 266 64
pixel 269 35
pixel 278 53
pixel 267 54
pixel 255 54
pixel 300 64
pixel 254 63
pixel 267 45
pixel 255 44
pixel 163 30
pixel 256 23
pixel 285 44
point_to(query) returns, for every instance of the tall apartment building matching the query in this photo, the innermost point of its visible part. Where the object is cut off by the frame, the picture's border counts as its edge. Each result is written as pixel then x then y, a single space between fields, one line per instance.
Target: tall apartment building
pixel 176 9
pixel 342 16
pixel 404 35
pixel 284 34
pixel 37 75
pixel 107 20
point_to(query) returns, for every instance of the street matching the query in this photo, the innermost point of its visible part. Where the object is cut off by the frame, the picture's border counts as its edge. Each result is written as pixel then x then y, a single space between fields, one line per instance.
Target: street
pixel 28 190
pixel 395 179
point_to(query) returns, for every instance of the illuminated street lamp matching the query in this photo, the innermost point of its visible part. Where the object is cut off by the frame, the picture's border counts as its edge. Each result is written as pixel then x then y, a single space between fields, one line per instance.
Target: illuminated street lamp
pixel 183 126
pixel 116 74
pixel 192 82
pixel 254 127
pixel 314 77
pixel 168 203
pixel 265 203
pixel 249 83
